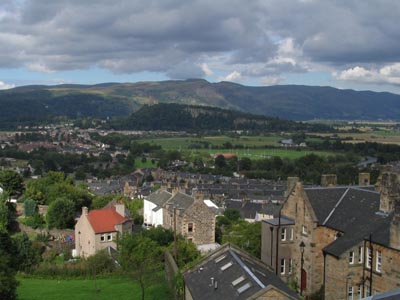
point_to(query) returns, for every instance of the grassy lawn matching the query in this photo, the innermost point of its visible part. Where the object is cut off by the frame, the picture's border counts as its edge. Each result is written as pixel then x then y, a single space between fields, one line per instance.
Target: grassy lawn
pixel 248 142
pixel 84 289
pixel 146 164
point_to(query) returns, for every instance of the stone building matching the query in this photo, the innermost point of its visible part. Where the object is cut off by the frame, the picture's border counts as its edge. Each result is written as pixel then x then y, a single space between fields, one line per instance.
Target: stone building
pixel 98 229
pixel 191 218
pixel 343 240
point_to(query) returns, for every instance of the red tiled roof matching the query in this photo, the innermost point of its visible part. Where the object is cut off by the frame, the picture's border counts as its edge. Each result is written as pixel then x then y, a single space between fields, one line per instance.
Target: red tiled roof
pixel 104 220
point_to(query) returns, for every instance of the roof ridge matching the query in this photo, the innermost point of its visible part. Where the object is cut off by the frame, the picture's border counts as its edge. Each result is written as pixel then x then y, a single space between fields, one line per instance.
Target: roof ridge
pixel 336 205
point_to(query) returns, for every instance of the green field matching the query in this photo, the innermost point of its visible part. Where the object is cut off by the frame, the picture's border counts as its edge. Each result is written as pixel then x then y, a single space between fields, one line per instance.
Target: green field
pixel 264 146
pixel 84 289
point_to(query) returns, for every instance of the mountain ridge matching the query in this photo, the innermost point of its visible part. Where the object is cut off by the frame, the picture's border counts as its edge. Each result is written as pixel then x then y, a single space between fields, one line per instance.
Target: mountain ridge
pixel 295 102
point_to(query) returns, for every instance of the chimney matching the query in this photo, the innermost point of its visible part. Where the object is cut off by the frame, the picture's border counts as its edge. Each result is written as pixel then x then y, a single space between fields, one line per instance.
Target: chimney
pixel 328 180
pixel 120 209
pixel 364 179
pixel 85 211
pixel 291 183
pixel 389 190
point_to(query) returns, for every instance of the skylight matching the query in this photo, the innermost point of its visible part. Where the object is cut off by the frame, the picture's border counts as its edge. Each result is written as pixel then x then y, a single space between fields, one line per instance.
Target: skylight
pixel 244 288
pixel 237 281
pixel 226 266
pixel 217 260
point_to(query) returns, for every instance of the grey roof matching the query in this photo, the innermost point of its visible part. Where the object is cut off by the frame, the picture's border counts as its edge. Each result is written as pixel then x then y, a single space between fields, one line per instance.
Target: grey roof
pixel 392 295
pixel 237 275
pixel 283 221
pixel 354 212
pixel 181 201
pixel 249 209
pixel 159 197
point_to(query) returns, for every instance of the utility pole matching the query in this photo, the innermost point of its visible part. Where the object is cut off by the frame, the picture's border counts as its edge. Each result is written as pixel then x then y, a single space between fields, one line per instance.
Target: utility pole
pixel 175 242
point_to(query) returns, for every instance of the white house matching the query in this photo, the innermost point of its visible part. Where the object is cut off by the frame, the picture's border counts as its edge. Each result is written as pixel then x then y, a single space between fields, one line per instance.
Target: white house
pixel 153 208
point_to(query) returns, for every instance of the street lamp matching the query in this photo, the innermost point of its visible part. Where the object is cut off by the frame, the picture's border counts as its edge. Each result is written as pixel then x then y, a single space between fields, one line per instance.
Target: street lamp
pixel 302 246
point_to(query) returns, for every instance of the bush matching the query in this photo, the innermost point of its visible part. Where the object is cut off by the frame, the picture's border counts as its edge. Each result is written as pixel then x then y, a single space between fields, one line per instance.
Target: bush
pixel 61 214
pixel 29 207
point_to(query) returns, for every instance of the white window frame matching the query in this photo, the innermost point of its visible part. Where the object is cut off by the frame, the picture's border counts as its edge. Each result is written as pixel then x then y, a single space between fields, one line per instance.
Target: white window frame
pixel 290 266
pixel 378 261
pixel 359 293
pixel 109 237
pixel 351 257
pixel 291 234
pixel 366 291
pixel 350 293
pixel 360 254
pixel 103 237
pixel 283 234
pixel 368 259
pixel 283 266
pixel 304 229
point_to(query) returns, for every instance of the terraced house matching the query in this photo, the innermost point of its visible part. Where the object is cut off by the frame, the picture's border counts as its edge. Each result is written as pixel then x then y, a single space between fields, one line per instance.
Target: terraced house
pixel 343 241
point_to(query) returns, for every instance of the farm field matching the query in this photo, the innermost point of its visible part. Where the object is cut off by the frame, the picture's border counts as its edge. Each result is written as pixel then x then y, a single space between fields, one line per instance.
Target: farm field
pixel 208 145
pixel 84 289
pixel 377 136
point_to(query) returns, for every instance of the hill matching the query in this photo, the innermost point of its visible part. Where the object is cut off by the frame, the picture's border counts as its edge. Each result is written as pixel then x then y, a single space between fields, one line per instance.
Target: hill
pixel 175 117
pixel 121 99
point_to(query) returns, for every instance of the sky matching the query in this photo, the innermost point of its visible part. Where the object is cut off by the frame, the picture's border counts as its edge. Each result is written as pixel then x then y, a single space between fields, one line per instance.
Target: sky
pixel 351 44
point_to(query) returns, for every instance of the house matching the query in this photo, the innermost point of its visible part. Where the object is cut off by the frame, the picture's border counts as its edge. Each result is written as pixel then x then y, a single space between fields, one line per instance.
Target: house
pixel 153 208
pixel 190 217
pixel 98 229
pixel 342 240
pixel 231 273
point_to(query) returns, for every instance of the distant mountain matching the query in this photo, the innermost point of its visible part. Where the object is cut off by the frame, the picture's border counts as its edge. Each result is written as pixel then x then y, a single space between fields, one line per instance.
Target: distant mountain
pixel 121 99
pixel 172 116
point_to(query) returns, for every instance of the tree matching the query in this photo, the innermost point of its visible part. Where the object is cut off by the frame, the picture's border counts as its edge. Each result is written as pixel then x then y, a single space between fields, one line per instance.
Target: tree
pixel 26 255
pixel 99 263
pixel 8 283
pixel 29 207
pixel 141 259
pixel 11 182
pixel 61 214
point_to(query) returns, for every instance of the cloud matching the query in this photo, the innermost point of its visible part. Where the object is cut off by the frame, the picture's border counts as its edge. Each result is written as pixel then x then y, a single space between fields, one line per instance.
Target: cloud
pixel 389 74
pixel 256 39
pixel 234 77
pixel 5 86
pixel 271 80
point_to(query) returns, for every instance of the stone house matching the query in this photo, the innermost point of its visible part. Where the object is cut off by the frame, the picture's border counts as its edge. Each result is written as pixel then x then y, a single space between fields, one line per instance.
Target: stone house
pixel 190 217
pixel 231 273
pixel 345 240
pixel 98 229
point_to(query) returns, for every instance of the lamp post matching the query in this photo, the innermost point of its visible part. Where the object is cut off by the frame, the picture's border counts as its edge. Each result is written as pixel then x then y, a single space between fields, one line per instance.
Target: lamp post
pixel 302 246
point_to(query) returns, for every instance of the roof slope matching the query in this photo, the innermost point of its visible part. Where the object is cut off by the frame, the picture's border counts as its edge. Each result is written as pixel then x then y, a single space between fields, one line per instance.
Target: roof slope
pixel 159 197
pixel 104 220
pixel 230 273
pixel 181 200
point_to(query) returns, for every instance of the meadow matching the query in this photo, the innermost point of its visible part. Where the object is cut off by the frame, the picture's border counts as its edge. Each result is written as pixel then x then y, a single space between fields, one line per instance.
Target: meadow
pixel 254 147
pixel 84 289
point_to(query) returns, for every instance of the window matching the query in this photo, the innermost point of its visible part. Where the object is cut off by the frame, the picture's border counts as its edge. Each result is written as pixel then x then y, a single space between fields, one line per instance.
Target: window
pixel 291 234
pixel 239 280
pixel 226 266
pixel 350 293
pixel 283 234
pixel 290 266
pixel 190 227
pixel 283 265
pixel 109 237
pixel 359 295
pixel 244 287
pixel 369 258
pixel 366 290
pixel 102 237
pixel 378 266
pixel 360 254
pixel 304 230
pixel 351 257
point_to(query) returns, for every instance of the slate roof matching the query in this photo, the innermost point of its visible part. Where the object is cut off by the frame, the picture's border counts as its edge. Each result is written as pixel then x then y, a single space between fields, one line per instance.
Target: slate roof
pixel 249 209
pixel 181 201
pixel 159 197
pixel 230 273
pixel 354 212
pixel 104 220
